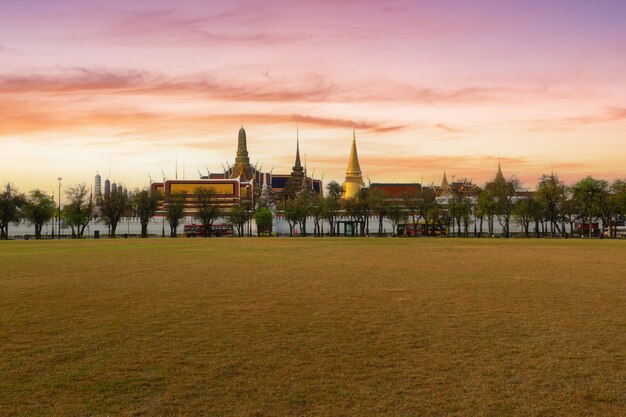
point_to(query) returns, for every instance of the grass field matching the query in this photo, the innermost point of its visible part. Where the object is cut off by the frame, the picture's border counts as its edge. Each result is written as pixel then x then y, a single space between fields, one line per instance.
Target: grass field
pixel 310 327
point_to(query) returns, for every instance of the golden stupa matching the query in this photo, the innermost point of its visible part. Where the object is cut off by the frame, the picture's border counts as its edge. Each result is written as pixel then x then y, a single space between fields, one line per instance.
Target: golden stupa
pixel 354 178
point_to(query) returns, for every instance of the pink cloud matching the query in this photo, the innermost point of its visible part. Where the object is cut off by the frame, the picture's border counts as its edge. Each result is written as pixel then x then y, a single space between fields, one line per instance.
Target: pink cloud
pixel 607 115
pixel 310 88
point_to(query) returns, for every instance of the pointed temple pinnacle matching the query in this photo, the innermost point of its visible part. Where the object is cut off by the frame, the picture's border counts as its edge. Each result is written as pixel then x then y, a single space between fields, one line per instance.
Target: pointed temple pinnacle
pixel 354 169
pixel 242 168
pixel 445 185
pixel 297 164
pixel 354 178
pixel 242 147
pixel 499 174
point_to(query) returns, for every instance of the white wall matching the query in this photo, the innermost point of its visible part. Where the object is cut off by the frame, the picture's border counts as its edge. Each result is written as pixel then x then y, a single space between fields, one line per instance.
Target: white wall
pixel 155 227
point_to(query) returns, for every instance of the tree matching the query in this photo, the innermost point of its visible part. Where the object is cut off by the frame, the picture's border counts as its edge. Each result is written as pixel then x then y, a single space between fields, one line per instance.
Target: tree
pixel 266 199
pixel 80 210
pixel 572 211
pixel 413 201
pixel 526 210
pixel 318 212
pixel 503 192
pixel 461 207
pixel 113 206
pixel 427 207
pixel 487 208
pixel 332 204
pixel 438 217
pixel 304 205
pixel 291 211
pixel 396 214
pixel 618 197
pixel 378 203
pixel 551 193
pixel 145 205
pixel 588 192
pixel 263 219
pixel 38 209
pixel 358 209
pixel 463 212
pixel 610 202
pixel 208 208
pixel 175 210
pixel 238 215
pixel 10 202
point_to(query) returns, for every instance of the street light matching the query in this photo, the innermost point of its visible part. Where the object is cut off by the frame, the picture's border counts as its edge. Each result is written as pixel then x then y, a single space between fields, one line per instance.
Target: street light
pixel 59 220
pixel 249 210
pixel 163 208
pixel 453 218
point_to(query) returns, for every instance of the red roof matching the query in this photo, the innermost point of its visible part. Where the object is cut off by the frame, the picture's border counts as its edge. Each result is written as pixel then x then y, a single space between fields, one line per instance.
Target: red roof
pixel 397 190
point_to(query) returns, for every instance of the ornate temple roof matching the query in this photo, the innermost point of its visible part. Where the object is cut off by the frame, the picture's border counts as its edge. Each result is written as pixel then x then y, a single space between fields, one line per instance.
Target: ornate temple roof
pixel 297 167
pixel 242 166
pixel 445 189
pixel 499 175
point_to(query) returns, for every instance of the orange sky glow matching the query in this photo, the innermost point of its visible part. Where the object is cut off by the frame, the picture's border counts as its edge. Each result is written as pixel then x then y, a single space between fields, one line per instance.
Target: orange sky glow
pixel 126 88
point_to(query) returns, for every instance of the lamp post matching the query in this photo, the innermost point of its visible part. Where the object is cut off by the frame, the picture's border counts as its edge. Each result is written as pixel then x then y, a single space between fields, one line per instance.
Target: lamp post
pixel 163 209
pixel 249 211
pixel 453 218
pixel 590 215
pixel 59 220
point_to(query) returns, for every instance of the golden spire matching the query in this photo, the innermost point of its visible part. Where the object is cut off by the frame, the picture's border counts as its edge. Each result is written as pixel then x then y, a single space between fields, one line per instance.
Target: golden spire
pixel 242 168
pixel 499 174
pixel 354 169
pixel 445 185
pixel 354 178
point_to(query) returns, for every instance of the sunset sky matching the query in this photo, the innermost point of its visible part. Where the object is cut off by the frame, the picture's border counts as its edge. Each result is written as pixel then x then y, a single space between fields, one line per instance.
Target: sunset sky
pixel 430 86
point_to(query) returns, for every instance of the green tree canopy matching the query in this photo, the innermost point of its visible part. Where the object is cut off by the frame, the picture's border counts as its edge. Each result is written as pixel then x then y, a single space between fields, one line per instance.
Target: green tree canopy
pixel 332 204
pixel 208 209
pixel 38 208
pixel 551 193
pixel 175 210
pixel 80 209
pixel 145 205
pixel 238 215
pixel 588 192
pixel 263 219
pixel 10 202
pixel 113 206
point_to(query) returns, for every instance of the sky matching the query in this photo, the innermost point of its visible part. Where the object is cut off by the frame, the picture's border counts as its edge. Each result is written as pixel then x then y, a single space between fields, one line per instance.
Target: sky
pixel 127 88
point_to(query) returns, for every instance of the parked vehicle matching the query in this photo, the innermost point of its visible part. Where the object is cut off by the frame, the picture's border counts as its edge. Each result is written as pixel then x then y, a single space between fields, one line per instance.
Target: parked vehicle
pixel 197 230
pixel 620 232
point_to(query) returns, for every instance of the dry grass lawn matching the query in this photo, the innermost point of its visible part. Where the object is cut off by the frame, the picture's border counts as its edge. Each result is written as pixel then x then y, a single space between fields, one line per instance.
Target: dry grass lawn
pixel 313 327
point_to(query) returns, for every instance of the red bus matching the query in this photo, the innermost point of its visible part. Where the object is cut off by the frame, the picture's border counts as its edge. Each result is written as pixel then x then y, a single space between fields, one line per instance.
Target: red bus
pixel 194 230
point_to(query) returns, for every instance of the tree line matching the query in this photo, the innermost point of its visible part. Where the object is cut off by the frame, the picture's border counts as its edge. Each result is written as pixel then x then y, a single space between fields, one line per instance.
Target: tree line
pixel 81 209
pixel 543 212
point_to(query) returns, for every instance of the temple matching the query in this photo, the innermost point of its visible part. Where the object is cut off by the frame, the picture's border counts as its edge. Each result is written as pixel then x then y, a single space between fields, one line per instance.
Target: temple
pixel 296 179
pixel 444 188
pixel 354 178
pixel 242 168
pixel 242 182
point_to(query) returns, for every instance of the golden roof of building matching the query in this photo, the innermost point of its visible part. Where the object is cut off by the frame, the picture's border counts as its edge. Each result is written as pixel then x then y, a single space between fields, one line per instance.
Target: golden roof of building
pixel 445 188
pixel 354 169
